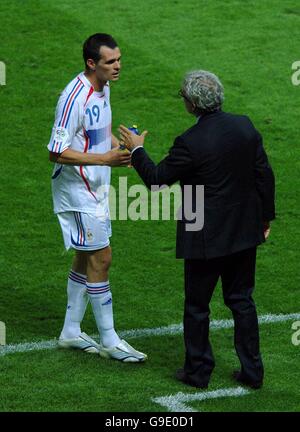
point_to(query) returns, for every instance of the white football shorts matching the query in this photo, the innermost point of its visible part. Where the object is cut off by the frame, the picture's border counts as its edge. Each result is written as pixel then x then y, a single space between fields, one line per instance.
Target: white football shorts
pixel 84 231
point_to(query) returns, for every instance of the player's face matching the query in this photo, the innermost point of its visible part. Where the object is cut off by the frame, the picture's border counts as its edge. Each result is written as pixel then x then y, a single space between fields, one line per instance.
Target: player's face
pixel 109 66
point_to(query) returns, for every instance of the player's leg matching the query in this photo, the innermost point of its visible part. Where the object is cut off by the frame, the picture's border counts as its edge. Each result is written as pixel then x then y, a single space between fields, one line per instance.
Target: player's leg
pixel 98 288
pixel 90 235
pixel 71 335
pixel 98 263
pixel 77 297
pixel 79 262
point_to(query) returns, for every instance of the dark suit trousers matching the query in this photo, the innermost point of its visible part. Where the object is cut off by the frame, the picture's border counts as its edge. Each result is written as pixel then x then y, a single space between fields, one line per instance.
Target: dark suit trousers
pixel 237 272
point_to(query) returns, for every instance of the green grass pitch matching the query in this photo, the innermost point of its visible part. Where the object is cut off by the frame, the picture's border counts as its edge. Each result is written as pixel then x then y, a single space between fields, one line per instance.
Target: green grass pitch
pixel 251 46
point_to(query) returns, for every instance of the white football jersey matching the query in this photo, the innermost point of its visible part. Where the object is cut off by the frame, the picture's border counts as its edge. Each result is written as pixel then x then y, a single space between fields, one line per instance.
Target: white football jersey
pixel 82 123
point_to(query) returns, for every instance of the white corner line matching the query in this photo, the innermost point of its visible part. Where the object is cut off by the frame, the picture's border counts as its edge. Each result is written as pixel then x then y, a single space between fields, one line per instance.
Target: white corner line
pixel 172 329
pixel 179 401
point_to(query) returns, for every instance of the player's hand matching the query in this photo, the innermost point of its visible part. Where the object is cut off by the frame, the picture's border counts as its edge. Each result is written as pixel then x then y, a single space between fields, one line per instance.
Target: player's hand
pixel 130 139
pixel 117 157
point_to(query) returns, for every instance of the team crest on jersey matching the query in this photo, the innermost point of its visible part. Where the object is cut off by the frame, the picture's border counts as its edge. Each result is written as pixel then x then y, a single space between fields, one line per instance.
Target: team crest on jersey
pixel 89 235
pixel 61 134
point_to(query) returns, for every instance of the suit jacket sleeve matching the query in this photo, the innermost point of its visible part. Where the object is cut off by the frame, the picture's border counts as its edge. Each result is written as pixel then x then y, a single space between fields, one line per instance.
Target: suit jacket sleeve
pixel 176 165
pixel 265 182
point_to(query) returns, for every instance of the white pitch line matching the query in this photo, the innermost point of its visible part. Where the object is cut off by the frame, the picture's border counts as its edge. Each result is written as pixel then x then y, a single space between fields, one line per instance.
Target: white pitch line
pixel 173 329
pixel 178 402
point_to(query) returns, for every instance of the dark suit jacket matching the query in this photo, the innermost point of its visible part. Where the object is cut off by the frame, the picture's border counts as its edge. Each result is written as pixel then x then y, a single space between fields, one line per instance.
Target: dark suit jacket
pixel 223 152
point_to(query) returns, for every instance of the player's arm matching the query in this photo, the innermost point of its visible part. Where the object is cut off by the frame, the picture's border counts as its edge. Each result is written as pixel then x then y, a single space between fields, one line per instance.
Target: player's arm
pixel 115 143
pixel 72 157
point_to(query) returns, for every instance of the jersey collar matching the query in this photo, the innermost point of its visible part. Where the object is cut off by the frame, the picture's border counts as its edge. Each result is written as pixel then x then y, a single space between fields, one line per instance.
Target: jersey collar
pixel 85 81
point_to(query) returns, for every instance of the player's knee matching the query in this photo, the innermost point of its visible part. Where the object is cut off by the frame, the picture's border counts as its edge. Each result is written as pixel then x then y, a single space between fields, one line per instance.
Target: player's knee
pixel 105 263
pixel 99 261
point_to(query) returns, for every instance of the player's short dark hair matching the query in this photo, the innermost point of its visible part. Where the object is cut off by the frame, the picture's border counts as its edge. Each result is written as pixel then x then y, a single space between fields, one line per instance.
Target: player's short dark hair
pixel 91 47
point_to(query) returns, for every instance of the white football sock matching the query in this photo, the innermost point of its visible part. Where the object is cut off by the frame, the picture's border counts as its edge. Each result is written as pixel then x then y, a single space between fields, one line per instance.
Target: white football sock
pixel 77 302
pixel 101 299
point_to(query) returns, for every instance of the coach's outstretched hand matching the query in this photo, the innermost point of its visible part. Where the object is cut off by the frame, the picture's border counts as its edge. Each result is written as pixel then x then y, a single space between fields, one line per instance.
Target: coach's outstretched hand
pixel 117 157
pixel 130 139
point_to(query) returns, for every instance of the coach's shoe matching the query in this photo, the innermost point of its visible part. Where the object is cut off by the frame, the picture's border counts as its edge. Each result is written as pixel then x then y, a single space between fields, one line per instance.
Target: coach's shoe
pixel 123 352
pixel 83 342
pixel 180 375
pixel 238 376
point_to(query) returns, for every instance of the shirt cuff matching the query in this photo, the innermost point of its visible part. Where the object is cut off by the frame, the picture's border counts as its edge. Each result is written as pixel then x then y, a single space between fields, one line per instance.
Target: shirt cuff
pixel 135 149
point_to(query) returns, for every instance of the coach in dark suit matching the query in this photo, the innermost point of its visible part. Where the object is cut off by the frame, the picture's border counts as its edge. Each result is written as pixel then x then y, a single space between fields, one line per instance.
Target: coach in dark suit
pixel 223 152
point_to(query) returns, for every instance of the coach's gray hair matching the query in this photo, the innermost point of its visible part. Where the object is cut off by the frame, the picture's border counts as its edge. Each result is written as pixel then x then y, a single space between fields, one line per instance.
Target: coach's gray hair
pixel 204 90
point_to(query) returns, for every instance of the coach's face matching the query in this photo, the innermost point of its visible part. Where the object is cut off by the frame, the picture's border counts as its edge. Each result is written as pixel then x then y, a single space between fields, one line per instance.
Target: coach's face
pixel 109 66
pixel 189 106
